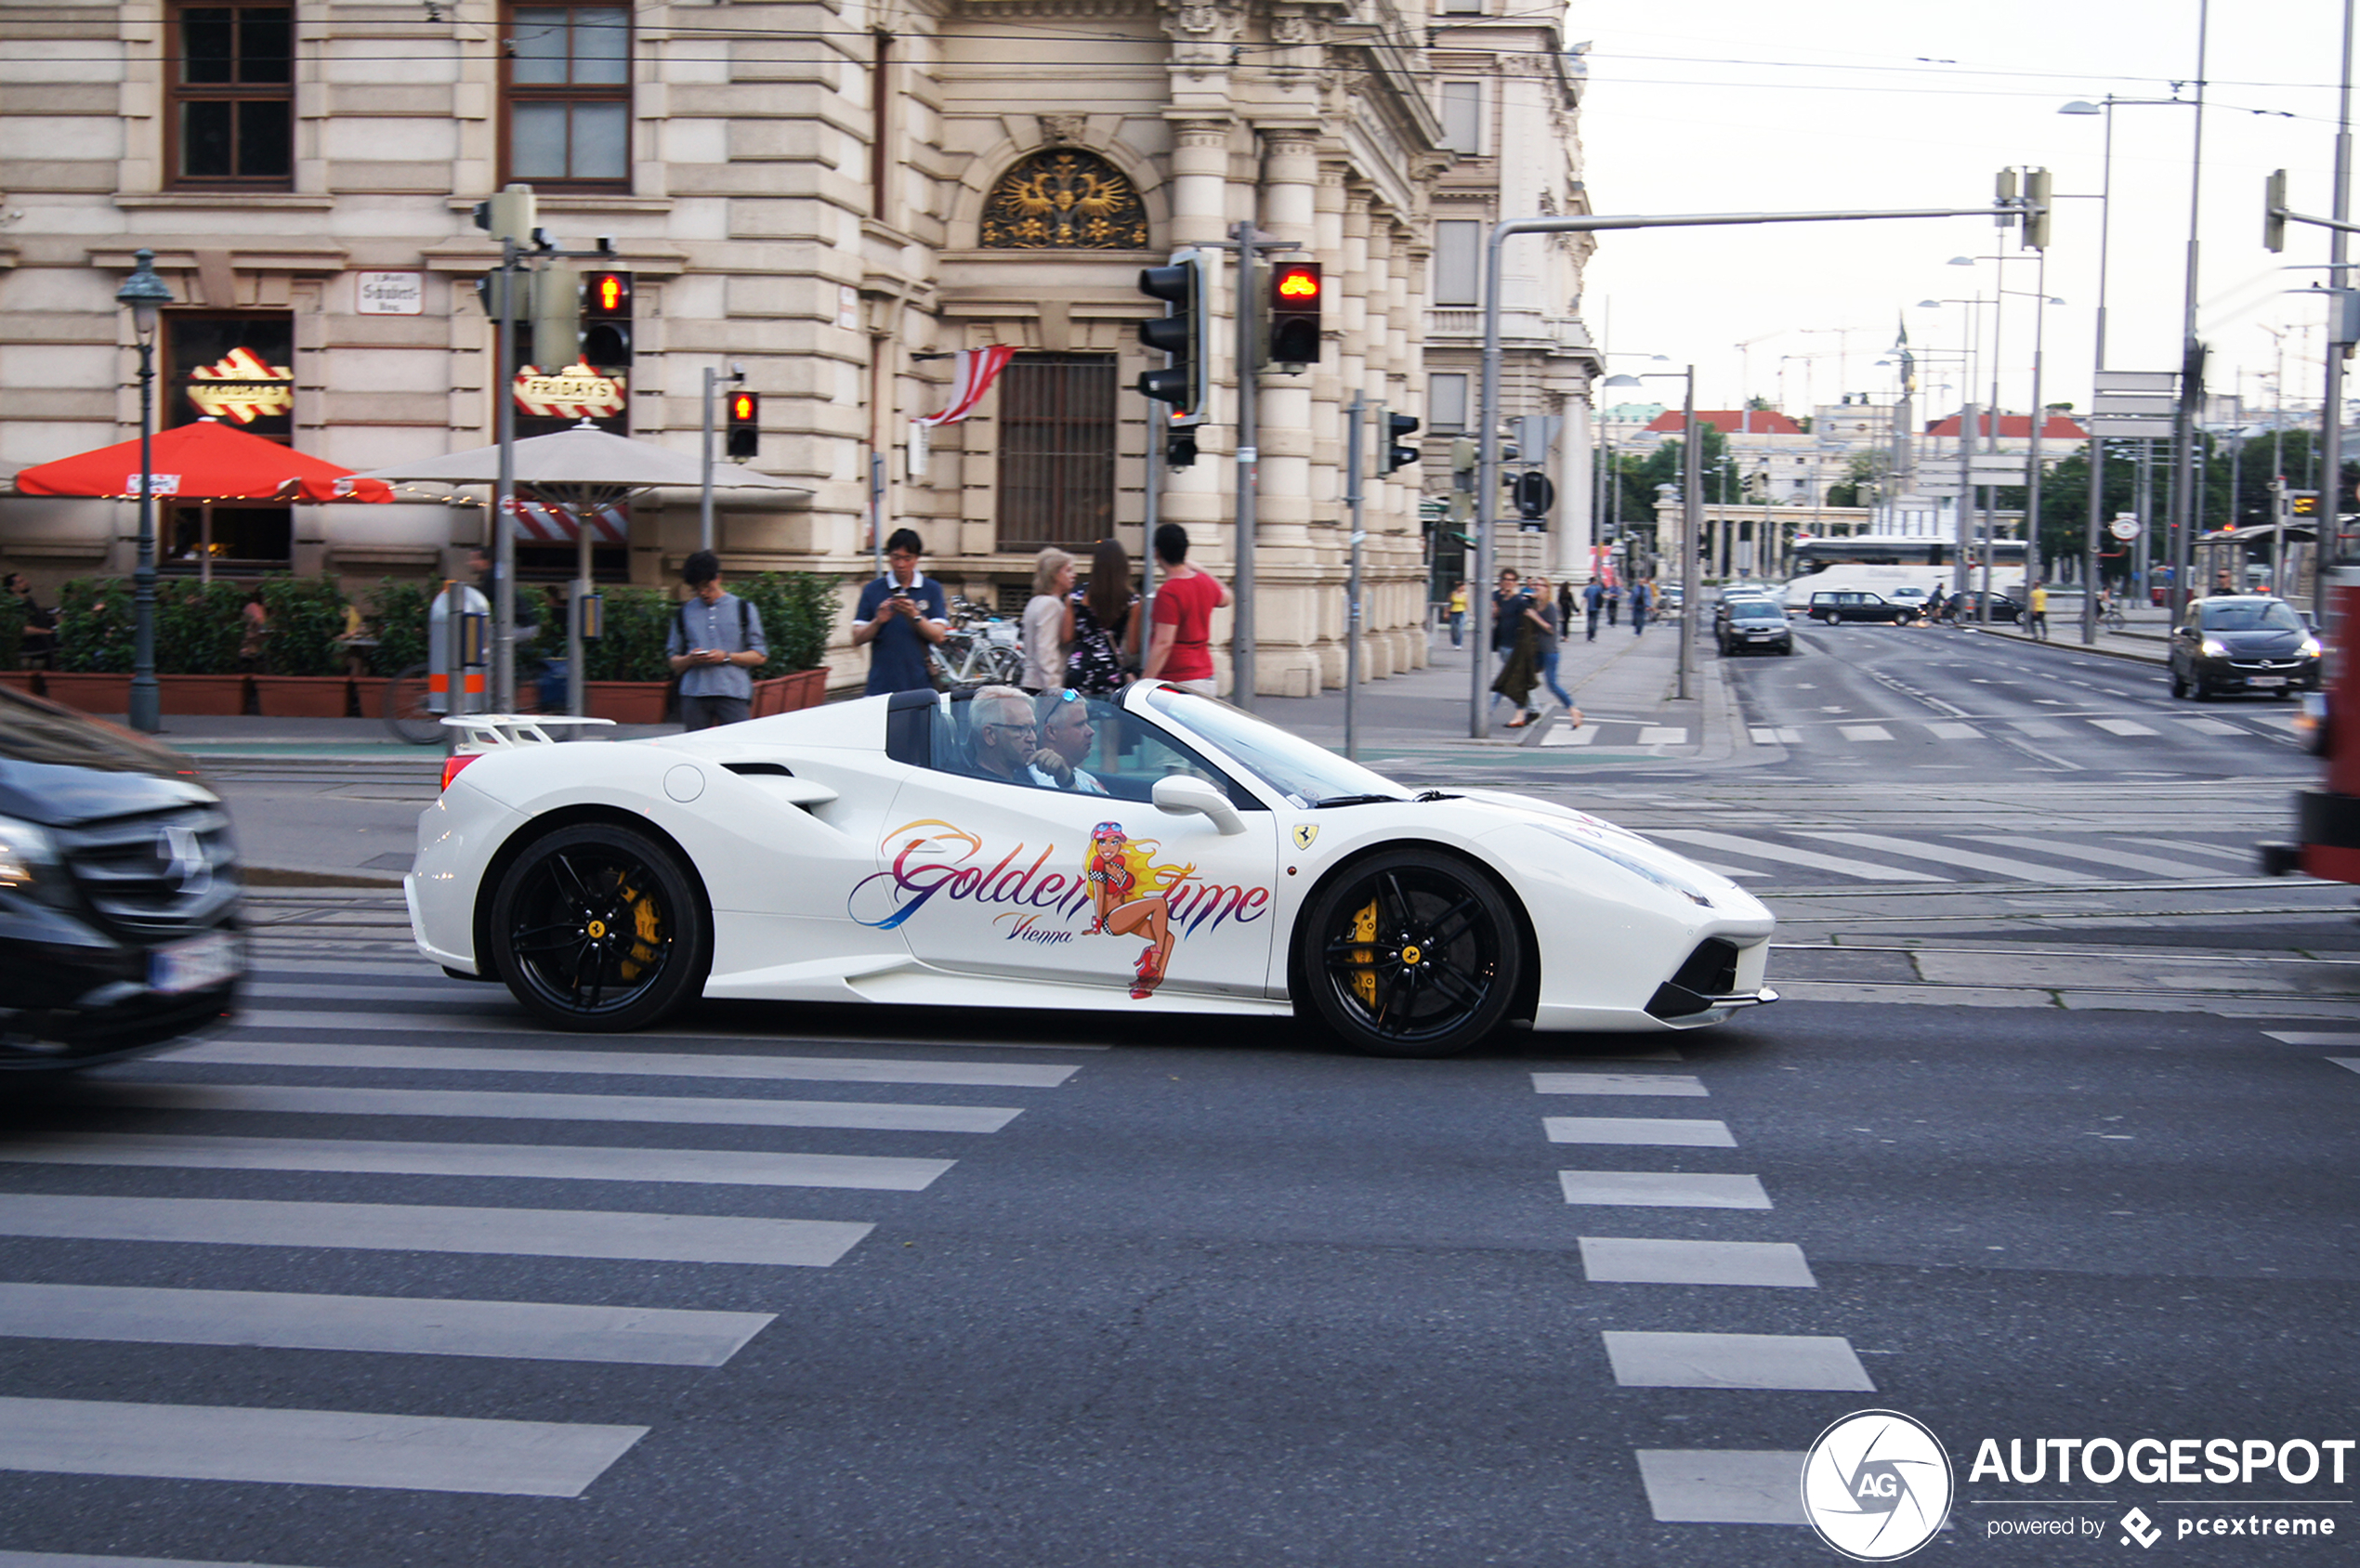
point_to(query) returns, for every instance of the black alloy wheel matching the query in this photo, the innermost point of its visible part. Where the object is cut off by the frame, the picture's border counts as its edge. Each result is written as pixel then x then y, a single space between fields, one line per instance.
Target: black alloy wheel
pixel 595 928
pixel 1412 953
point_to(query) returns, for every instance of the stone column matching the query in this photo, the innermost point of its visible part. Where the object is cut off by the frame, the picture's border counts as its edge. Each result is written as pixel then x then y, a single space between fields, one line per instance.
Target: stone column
pixel 1287 566
pixel 1575 523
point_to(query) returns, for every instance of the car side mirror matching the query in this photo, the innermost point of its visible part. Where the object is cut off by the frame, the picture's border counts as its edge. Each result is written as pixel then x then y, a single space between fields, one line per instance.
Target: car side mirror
pixel 1177 794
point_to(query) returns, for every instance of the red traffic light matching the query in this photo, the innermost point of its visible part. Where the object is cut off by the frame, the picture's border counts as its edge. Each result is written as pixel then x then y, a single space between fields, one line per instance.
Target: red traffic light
pixel 1295 290
pixel 1298 283
pixel 609 294
pixel 742 407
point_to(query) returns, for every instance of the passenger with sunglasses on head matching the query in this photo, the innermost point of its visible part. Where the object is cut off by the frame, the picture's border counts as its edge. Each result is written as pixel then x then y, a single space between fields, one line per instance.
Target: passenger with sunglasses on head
pixel 1066 734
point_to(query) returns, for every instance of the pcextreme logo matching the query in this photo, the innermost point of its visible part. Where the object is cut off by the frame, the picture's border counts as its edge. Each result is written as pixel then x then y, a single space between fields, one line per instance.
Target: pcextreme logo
pixel 1876 1486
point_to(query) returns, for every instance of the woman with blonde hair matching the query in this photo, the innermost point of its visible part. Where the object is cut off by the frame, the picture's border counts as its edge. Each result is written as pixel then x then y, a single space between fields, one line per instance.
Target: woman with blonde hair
pixel 1043 636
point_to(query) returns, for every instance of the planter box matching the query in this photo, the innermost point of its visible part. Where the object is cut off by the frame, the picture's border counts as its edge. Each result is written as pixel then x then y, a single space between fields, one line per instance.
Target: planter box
pixel 368 692
pixel 19 680
pixel 302 697
pixel 210 696
pixel 788 694
pixel 627 702
pixel 91 693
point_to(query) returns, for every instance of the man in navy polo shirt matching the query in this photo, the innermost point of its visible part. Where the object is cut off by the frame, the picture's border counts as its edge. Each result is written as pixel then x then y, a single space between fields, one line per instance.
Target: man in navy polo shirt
pixel 901 613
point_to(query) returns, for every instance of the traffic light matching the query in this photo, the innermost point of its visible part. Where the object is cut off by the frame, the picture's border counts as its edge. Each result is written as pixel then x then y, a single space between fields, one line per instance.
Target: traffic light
pixel 1184 336
pixel 1180 448
pixel 2004 198
pixel 2306 504
pixel 745 424
pixel 606 319
pixel 557 308
pixel 1295 290
pixel 2036 209
pixel 2273 212
pixel 490 288
pixel 1398 452
pixel 511 214
pixel 1535 493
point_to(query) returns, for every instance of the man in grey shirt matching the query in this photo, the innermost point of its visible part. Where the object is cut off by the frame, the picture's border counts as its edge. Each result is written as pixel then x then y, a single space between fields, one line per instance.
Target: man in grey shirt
pixel 714 646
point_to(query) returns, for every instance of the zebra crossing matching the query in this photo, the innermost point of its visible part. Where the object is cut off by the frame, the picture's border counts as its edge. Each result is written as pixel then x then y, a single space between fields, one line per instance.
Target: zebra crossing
pixel 1819 857
pixel 1606 734
pixel 111 1193
pixel 1695 1485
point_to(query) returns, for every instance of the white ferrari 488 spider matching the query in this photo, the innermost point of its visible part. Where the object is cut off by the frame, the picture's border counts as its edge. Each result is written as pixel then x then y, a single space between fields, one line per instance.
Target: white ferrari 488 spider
pixel 1163 851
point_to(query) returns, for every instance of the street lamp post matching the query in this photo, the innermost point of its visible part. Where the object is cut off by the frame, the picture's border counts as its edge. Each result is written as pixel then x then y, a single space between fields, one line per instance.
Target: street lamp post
pixel 147 295
pixel 1691 509
pixel 2090 541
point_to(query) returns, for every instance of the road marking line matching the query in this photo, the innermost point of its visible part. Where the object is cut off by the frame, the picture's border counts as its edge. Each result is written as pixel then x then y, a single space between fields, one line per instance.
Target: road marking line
pixel 1864 732
pixel 2122 860
pixel 1799 1361
pixel 1564 735
pixel 1662 735
pixel 1663 1189
pixel 2351 1061
pixel 1728 844
pixel 307 1448
pixel 1722 1485
pixel 715 1167
pixel 401 1227
pixel 1947 731
pixel 398 1325
pixel 2122 727
pixel 1947 854
pixel 2312 1036
pixel 2210 726
pixel 638 1064
pixel 1764 735
pixel 2039 729
pixel 2243 857
pixel 84 1560
pixel 1654 1261
pixel 678 1109
pixel 515 1026
pixel 1685 1084
pixel 1654 1132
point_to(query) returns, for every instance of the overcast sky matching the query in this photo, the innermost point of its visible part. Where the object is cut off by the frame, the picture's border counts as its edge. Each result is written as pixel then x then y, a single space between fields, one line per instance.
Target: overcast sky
pixel 1822 104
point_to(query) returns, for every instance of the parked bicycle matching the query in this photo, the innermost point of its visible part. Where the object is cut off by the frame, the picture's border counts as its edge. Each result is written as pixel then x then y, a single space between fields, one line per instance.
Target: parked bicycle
pixel 979 651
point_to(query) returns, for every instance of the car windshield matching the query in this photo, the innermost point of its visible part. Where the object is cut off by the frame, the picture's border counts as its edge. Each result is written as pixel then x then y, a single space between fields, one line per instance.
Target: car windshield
pixel 1304 773
pixel 1756 611
pixel 2251 615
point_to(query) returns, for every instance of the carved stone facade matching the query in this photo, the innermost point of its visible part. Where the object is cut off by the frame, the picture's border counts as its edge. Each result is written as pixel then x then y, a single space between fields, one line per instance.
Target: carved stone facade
pixel 832 198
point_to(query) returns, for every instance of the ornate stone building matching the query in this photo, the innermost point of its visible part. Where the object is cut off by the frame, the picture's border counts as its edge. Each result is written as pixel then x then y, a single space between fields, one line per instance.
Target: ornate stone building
pixel 831 195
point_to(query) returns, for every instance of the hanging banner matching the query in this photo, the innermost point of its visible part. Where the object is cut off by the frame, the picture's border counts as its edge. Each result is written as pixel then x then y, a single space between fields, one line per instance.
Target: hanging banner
pixel 977 369
pixel 577 392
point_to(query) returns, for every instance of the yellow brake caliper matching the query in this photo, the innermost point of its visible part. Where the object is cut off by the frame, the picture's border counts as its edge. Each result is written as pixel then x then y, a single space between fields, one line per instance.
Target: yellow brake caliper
pixel 648 926
pixel 1364 929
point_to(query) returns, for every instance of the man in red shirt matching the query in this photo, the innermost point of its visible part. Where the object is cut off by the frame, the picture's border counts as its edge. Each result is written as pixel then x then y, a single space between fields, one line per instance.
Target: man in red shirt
pixel 1182 651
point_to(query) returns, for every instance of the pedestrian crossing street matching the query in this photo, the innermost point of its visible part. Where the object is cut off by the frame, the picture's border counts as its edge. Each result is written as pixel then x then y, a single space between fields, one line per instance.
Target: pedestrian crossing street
pixel 113 1197
pixel 1708 1485
pixel 1606 734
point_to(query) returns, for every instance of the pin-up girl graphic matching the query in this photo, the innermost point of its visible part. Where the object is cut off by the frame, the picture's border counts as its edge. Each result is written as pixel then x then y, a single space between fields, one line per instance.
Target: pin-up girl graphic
pixel 1128 892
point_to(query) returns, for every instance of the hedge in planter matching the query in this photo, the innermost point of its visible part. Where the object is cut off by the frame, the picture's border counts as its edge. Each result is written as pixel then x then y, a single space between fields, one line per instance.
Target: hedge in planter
pixel 637 620
pixel 95 625
pixel 397 613
pixel 798 611
pixel 307 617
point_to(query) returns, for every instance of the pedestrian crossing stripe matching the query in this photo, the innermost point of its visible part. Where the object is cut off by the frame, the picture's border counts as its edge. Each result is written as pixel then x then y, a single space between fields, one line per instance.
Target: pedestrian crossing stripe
pixel 2057 727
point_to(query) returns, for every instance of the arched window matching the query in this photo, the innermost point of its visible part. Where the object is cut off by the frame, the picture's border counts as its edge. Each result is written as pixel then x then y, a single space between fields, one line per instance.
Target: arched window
pixel 1064 200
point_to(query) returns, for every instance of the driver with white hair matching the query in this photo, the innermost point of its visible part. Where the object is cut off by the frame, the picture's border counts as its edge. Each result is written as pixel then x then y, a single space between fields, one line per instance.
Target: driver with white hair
pixel 1001 734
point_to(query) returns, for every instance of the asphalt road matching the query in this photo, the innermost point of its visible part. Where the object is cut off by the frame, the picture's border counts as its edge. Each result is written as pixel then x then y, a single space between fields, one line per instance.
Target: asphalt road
pixel 2051 1140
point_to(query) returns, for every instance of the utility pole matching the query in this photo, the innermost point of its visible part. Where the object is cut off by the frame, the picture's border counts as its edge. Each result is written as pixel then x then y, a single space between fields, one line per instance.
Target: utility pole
pixel 504 496
pixel 2328 525
pixel 1355 422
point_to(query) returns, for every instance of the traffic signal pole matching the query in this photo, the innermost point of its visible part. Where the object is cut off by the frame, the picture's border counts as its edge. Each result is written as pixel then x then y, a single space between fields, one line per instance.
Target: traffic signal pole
pixel 504 495
pixel 1356 422
pixel 1242 644
pixel 1488 458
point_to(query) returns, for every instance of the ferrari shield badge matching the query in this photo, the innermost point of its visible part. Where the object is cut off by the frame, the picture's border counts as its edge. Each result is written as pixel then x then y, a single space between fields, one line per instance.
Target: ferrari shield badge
pixel 1303 833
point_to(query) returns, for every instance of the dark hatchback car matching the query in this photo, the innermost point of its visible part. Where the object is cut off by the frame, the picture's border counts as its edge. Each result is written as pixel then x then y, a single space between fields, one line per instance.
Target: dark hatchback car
pixel 1847 606
pixel 119 917
pixel 2243 642
pixel 1752 625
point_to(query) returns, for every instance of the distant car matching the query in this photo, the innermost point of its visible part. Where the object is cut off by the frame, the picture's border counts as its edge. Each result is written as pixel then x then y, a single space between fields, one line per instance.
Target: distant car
pixel 119 921
pixel 1909 597
pixel 1845 606
pixel 1748 625
pixel 2243 642
pixel 1962 608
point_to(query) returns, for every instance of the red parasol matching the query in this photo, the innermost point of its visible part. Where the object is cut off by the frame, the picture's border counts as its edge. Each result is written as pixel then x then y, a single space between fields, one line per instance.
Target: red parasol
pixel 202 461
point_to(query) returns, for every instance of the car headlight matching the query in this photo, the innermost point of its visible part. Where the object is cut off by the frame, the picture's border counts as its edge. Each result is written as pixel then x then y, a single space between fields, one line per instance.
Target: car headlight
pixel 26 852
pixel 2214 648
pixel 2310 648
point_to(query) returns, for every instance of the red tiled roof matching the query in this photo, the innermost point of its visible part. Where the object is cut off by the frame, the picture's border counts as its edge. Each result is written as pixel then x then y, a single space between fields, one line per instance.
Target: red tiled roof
pixel 1752 422
pixel 2016 426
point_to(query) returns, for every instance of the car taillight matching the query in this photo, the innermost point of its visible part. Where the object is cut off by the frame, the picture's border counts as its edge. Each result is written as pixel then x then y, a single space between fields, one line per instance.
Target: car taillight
pixel 452 764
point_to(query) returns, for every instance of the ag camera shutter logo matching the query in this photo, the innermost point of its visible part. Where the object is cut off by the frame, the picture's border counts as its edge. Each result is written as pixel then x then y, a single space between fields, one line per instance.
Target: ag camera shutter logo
pixel 1876 1486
